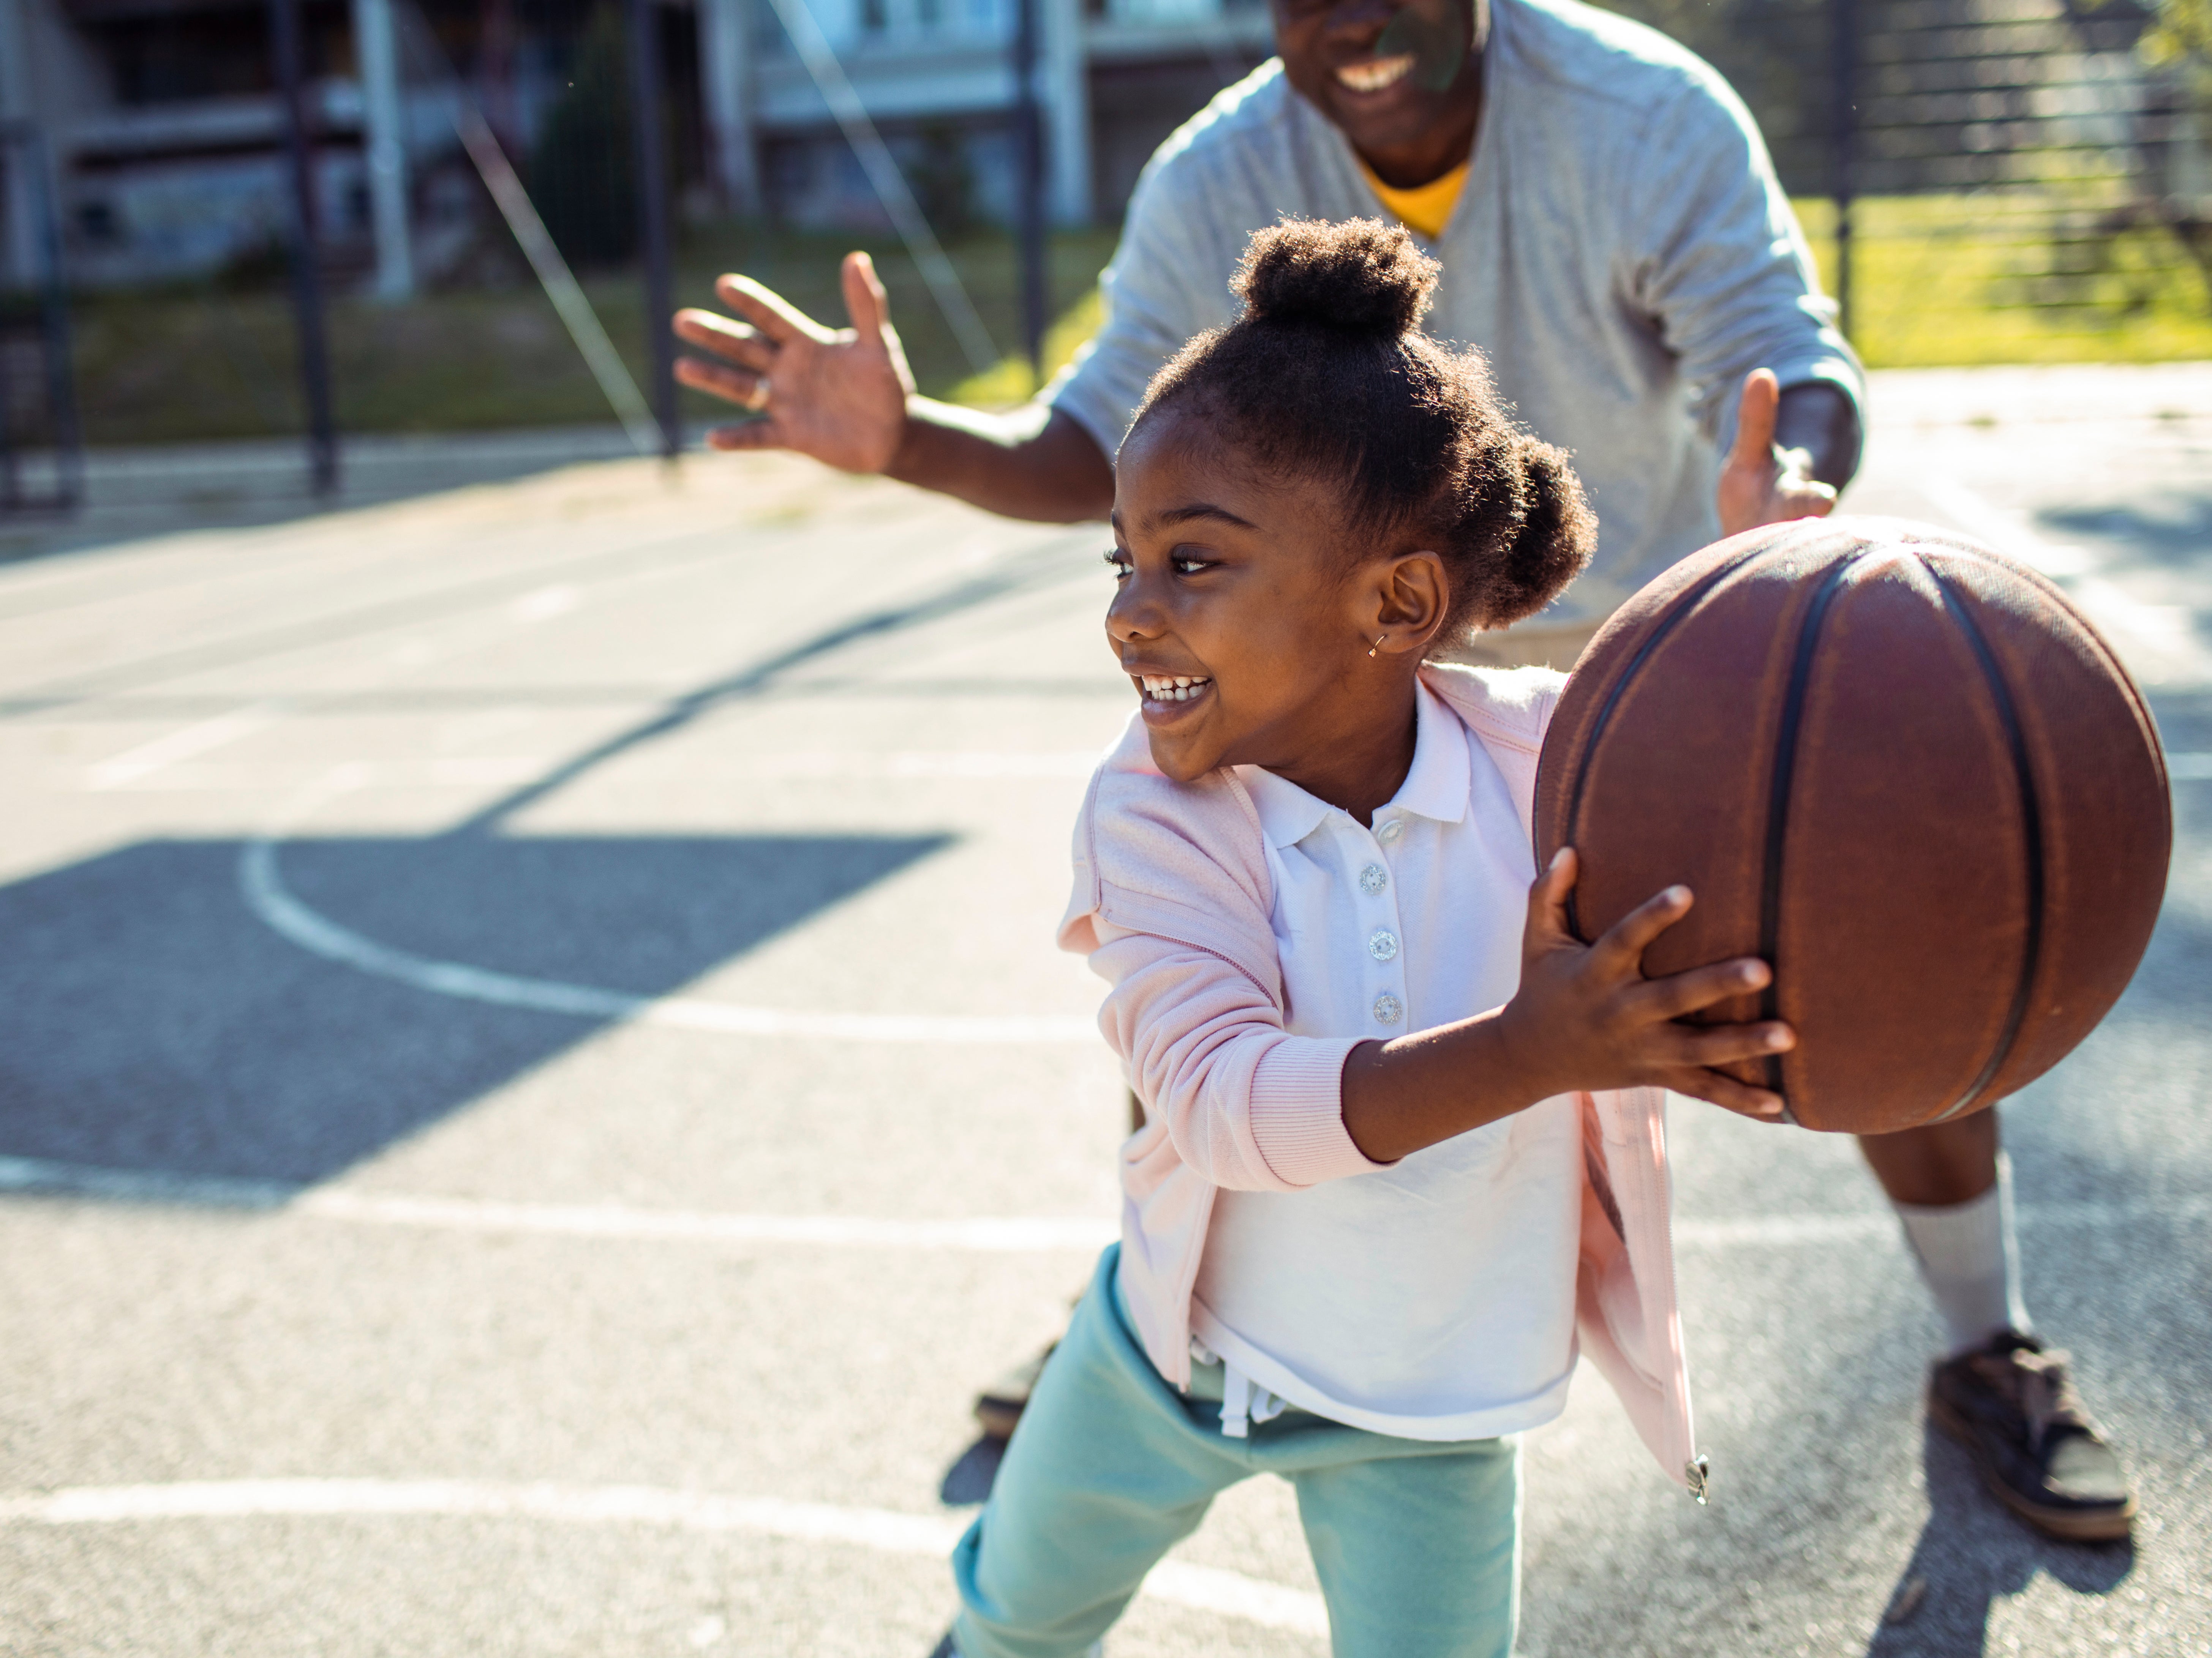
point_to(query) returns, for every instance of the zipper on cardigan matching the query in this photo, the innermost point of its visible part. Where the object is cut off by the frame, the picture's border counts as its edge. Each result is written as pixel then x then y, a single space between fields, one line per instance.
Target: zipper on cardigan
pixel 1696 1472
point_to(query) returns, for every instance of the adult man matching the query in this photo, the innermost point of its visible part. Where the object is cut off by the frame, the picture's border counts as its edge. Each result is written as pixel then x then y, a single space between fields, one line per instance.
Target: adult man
pixel 1613 238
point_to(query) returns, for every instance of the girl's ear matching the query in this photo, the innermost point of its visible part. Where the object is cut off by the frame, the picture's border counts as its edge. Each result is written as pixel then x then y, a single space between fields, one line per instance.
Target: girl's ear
pixel 1410 595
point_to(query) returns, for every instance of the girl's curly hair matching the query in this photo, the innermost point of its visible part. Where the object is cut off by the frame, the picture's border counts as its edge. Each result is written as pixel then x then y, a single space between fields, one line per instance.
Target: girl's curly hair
pixel 1328 375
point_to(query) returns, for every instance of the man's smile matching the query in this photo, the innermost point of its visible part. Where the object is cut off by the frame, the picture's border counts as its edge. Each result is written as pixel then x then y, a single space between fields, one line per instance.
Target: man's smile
pixel 1376 73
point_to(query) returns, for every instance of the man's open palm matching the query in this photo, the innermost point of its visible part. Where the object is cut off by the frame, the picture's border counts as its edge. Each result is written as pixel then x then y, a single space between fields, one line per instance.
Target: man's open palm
pixel 1760 483
pixel 837 394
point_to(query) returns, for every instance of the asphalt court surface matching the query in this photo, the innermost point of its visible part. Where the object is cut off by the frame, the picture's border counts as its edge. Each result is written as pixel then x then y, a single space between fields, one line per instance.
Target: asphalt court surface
pixel 534 1085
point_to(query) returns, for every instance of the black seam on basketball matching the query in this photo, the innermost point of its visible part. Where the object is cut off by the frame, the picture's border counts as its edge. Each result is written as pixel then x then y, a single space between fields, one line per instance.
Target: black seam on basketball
pixel 2031 814
pixel 1778 800
pixel 1666 624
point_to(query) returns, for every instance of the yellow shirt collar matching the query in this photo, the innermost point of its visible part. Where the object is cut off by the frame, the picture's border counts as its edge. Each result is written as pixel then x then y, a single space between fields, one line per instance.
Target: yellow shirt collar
pixel 1426 209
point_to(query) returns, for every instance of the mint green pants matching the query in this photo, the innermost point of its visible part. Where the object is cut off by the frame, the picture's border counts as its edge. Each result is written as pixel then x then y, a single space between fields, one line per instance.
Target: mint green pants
pixel 1417 1543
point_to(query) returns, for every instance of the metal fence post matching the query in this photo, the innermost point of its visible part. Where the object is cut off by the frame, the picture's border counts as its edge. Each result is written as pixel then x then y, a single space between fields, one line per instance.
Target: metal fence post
pixel 306 276
pixel 652 215
pixel 1029 140
pixel 1844 60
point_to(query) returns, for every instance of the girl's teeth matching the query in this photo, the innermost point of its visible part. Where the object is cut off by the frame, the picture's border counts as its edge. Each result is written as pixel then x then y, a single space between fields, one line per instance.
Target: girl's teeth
pixel 1179 689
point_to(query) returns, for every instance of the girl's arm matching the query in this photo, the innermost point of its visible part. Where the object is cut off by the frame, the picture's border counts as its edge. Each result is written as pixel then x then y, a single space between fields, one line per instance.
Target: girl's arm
pixel 1583 1017
pixel 1247 1105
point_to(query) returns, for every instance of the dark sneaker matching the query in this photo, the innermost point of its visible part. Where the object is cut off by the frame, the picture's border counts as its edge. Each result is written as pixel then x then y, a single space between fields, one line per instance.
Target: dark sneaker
pixel 2013 1405
pixel 946 1649
pixel 999 1406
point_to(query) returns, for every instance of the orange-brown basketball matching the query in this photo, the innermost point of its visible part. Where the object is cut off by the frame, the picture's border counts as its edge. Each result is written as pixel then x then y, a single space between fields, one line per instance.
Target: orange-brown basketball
pixel 1899 766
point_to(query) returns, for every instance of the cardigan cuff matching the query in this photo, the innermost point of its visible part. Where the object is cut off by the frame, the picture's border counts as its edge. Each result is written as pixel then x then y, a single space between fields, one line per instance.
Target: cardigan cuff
pixel 1297 1111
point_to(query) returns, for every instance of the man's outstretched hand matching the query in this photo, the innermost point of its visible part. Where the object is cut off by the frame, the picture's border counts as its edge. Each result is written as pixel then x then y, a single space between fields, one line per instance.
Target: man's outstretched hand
pixel 1760 482
pixel 837 394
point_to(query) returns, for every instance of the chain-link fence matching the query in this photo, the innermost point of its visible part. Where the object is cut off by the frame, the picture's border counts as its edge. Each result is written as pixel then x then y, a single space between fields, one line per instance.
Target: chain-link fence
pixel 2017 179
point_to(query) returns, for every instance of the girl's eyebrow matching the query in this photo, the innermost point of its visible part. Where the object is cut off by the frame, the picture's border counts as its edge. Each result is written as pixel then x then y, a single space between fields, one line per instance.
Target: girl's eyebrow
pixel 1203 509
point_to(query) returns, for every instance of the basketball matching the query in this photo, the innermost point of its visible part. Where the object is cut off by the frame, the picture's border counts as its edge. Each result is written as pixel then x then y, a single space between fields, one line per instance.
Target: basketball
pixel 1899 767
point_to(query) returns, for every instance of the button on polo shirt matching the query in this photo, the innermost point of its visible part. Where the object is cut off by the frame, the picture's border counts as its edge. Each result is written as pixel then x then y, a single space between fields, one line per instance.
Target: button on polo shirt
pixel 1457 1321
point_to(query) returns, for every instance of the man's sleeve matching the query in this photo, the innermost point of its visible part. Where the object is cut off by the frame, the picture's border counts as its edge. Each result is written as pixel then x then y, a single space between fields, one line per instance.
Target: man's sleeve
pixel 1152 304
pixel 1718 262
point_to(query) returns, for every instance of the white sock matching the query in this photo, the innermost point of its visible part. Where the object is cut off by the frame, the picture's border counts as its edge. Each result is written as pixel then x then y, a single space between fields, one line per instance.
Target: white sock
pixel 1970 1257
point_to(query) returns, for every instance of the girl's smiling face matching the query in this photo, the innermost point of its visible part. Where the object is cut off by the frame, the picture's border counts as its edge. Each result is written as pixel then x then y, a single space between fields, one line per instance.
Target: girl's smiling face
pixel 1245 623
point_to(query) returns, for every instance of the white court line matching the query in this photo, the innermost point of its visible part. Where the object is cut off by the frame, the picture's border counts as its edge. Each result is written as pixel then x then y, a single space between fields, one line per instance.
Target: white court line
pixel 2189 768
pixel 1008 1234
pixel 507 770
pixel 978 1233
pixel 1003 1235
pixel 262 885
pixel 887 1531
pixel 207 735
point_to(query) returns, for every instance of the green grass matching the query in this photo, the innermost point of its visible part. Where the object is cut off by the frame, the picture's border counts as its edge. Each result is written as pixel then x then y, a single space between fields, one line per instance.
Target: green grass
pixel 1963 281
pixel 1939 280
pixel 219 361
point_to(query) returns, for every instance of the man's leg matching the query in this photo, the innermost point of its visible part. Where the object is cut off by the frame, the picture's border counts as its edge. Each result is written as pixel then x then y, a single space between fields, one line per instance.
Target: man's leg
pixel 2009 1400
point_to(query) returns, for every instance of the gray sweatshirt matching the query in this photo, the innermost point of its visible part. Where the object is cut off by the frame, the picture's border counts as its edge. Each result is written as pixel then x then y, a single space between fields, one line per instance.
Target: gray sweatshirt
pixel 1622 253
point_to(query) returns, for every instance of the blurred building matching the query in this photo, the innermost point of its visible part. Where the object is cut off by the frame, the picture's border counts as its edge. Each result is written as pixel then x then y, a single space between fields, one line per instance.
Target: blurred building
pixel 163 123
pixel 161 119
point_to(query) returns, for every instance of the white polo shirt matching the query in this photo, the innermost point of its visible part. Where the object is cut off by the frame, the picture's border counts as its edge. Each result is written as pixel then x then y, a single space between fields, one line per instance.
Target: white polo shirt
pixel 1433 1299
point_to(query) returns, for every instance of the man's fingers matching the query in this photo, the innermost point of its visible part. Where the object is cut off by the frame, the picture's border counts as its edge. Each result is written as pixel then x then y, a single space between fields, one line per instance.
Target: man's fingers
pixel 1717 1088
pixel 866 302
pixel 735 341
pixel 767 310
pixel 1621 950
pixel 717 380
pixel 1678 994
pixel 1799 496
pixel 753 434
pixel 1754 422
pixel 731 341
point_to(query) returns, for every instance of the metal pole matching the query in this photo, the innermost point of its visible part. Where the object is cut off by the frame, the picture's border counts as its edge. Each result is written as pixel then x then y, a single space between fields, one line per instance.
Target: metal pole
pixel 1028 138
pixel 385 127
pixel 1844 54
pixel 61 372
pixel 307 277
pixel 652 215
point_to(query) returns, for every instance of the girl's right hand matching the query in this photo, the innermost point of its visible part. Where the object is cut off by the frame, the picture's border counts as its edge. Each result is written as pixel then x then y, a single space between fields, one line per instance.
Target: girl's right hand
pixel 1585 1016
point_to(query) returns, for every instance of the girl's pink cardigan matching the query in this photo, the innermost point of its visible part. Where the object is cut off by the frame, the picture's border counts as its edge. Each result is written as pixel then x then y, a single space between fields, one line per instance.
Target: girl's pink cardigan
pixel 1177 875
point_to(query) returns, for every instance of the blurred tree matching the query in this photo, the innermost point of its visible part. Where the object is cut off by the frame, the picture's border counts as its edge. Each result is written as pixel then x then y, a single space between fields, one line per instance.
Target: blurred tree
pixel 581 170
pixel 2179 41
pixel 2180 38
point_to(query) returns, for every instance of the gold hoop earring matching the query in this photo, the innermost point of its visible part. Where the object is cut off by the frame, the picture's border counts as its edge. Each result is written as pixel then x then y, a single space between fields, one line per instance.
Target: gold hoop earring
pixel 1378 645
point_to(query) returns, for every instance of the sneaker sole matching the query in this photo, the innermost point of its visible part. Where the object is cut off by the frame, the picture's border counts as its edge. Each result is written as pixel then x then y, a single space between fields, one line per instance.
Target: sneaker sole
pixel 999 1417
pixel 2068 1525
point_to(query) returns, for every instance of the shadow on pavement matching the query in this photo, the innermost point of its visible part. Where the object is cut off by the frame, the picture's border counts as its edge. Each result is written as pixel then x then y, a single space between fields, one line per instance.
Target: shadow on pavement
pixel 969 1479
pixel 2178 535
pixel 148 1021
pixel 1973 1553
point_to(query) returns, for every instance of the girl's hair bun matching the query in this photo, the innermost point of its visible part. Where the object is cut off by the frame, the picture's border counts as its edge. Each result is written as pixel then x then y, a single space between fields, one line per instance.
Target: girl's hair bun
pixel 1360 276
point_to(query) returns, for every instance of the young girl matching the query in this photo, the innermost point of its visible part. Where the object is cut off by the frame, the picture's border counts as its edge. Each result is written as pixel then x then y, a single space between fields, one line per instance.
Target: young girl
pixel 1404 1153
